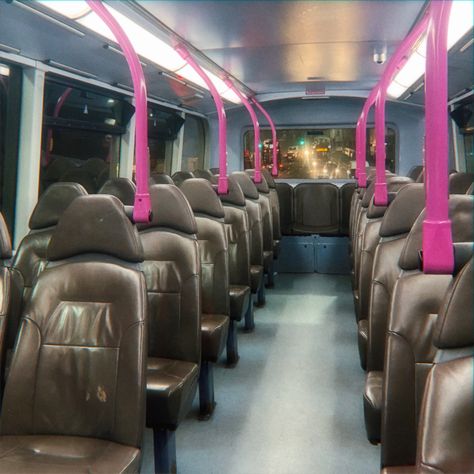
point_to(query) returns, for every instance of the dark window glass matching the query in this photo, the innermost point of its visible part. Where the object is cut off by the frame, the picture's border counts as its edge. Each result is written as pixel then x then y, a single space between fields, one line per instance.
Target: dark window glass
pixel 194 144
pixel 10 101
pixel 469 151
pixel 327 153
pixel 81 134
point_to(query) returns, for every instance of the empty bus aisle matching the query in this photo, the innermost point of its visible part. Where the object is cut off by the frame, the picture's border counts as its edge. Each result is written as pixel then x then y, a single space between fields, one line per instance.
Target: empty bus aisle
pixel 293 404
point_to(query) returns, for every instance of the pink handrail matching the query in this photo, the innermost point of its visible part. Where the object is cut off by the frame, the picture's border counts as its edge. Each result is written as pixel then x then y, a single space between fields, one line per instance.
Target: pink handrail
pixel 142 204
pixel 223 184
pixel 396 62
pixel 361 139
pixel 256 129
pixel 274 136
pixel 438 254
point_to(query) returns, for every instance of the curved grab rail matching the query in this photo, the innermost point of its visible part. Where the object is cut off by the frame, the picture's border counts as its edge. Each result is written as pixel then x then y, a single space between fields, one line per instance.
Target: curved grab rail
pixel 274 136
pixel 142 204
pixel 223 184
pixel 256 129
pixel 438 254
pixel 396 61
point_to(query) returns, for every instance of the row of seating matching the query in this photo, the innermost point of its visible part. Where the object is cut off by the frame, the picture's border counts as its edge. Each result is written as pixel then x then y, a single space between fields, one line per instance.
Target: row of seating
pixel 107 323
pixel 414 330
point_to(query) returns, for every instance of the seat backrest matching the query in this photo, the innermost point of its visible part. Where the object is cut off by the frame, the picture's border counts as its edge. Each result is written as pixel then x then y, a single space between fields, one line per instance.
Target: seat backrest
pixel 30 257
pixel 181 176
pixel 81 176
pixel 205 174
pixel 410 352
pixel 274 202
pixel 470 190
pixel 172 270
pixel 346 198
pixel 122 188
pixel 265 205
pixel 394 228
pixel 285 199
pixel 160 178
pixel 415 171
pixel 79 363
pixel 446 426
pixel 238 234
pixel 459 182
pixel 213 248
pixel 254 213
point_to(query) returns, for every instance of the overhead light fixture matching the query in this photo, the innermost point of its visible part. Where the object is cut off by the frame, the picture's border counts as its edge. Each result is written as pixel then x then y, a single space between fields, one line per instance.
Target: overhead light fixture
pixel 460 22
pixel 4 70
pixel 9 49
pixel 469 43
pixel 145 43
pixel 119 51
pixel 65 67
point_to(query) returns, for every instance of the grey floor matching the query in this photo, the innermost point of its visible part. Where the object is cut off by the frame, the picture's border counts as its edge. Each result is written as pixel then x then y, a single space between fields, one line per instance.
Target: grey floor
pixel 293 404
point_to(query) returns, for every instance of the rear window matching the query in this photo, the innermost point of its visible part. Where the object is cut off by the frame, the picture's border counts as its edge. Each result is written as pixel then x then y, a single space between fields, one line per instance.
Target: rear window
pixel 319 153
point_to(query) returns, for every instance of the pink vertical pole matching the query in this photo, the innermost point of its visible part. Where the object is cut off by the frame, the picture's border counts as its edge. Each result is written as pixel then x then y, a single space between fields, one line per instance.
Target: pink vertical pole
pixel 256 129
pixel 142 204
pixel 438 255
pixel 274 136
pixel 223 185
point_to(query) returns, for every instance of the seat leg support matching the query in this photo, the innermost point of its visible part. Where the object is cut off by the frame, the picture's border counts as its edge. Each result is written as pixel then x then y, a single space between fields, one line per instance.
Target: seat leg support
pixel 249 317
pixel 206 390
pixel 270 277
pixel 164 445
pixel 232 345
pixel 261 294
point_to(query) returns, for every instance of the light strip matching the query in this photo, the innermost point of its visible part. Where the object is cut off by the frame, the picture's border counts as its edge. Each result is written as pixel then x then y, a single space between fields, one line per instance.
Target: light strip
pixel 119 51
pixel 4 70
pixel 9 49
pixel 460 22
pixel 50 62
pixel 145 43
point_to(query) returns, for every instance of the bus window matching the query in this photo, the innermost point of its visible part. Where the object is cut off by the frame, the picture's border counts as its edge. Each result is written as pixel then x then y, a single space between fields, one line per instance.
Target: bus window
pixel 194 142
pixel 327 153
pixel 81 135
pixel 10 99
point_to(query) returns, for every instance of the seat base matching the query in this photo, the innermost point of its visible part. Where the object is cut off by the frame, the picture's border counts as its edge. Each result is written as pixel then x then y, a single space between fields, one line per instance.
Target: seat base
pixel 232 345
pixel 256 272
pixel 214 329
pixel 373 406
pixel 43 454
pixel 239 297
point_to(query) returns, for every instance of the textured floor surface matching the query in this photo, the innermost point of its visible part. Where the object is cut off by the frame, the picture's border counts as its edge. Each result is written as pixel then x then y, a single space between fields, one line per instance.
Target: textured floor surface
pixel 293 404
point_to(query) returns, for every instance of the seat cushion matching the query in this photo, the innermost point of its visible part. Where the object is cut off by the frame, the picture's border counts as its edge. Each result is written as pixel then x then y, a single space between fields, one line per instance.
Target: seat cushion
pixel 214 329
pixel 59 454
pixel 170 389
pixel 256 272
pixel 373 405
pixel 362 338
pixel 239 301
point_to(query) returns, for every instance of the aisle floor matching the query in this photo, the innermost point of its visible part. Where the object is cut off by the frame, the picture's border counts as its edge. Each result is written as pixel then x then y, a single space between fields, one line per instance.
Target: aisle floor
pixel 293 404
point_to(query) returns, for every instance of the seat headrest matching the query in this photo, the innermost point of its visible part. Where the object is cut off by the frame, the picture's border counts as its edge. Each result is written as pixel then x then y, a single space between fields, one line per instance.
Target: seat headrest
pixel 403 210
pixel 461 209
pixel 246 184
pixel 394 184
pixel 95 224
pixel 204 174
pixel 160 178
pixel 170 209
pixel 415 172
pixel 459 183
pixel 5 241
pixel 52 204
pixel 82 176
pixel 122 188
pixel 181 176
pixel 470 190
pixel 421 176
pixel 235 195
pixel 375 212
pixel 455 324
pixel 202 197
pixel 262 187
pixel 268 178
pixel 368 194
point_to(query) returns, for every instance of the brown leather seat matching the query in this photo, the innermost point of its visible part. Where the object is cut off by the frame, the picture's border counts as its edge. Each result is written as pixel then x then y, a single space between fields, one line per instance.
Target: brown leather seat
pixel 30 257
pixel 206 174
pixel 160 178
pixel 416 302
pixel 212 239
pixel 122 188
pixel 181 176
pixel 459 182
pixel 275 205
pixel 5 294
pixel 267 227
pixel 172 270
pixel 396 224
pixel 446 426
pixel 82 345
pixel 254 213
pixel 238 238
pixel 346 197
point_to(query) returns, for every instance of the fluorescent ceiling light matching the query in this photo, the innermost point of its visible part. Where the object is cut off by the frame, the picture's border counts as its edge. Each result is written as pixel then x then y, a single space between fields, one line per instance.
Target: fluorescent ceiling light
pixel 145 43
pixel 460 22
pixel 4 70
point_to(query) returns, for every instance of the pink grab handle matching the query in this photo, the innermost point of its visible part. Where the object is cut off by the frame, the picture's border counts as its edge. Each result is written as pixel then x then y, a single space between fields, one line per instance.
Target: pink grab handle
pixel 223 184
pixel 142 204
pixel 438 253
pixel 274 136
pixel 256 129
